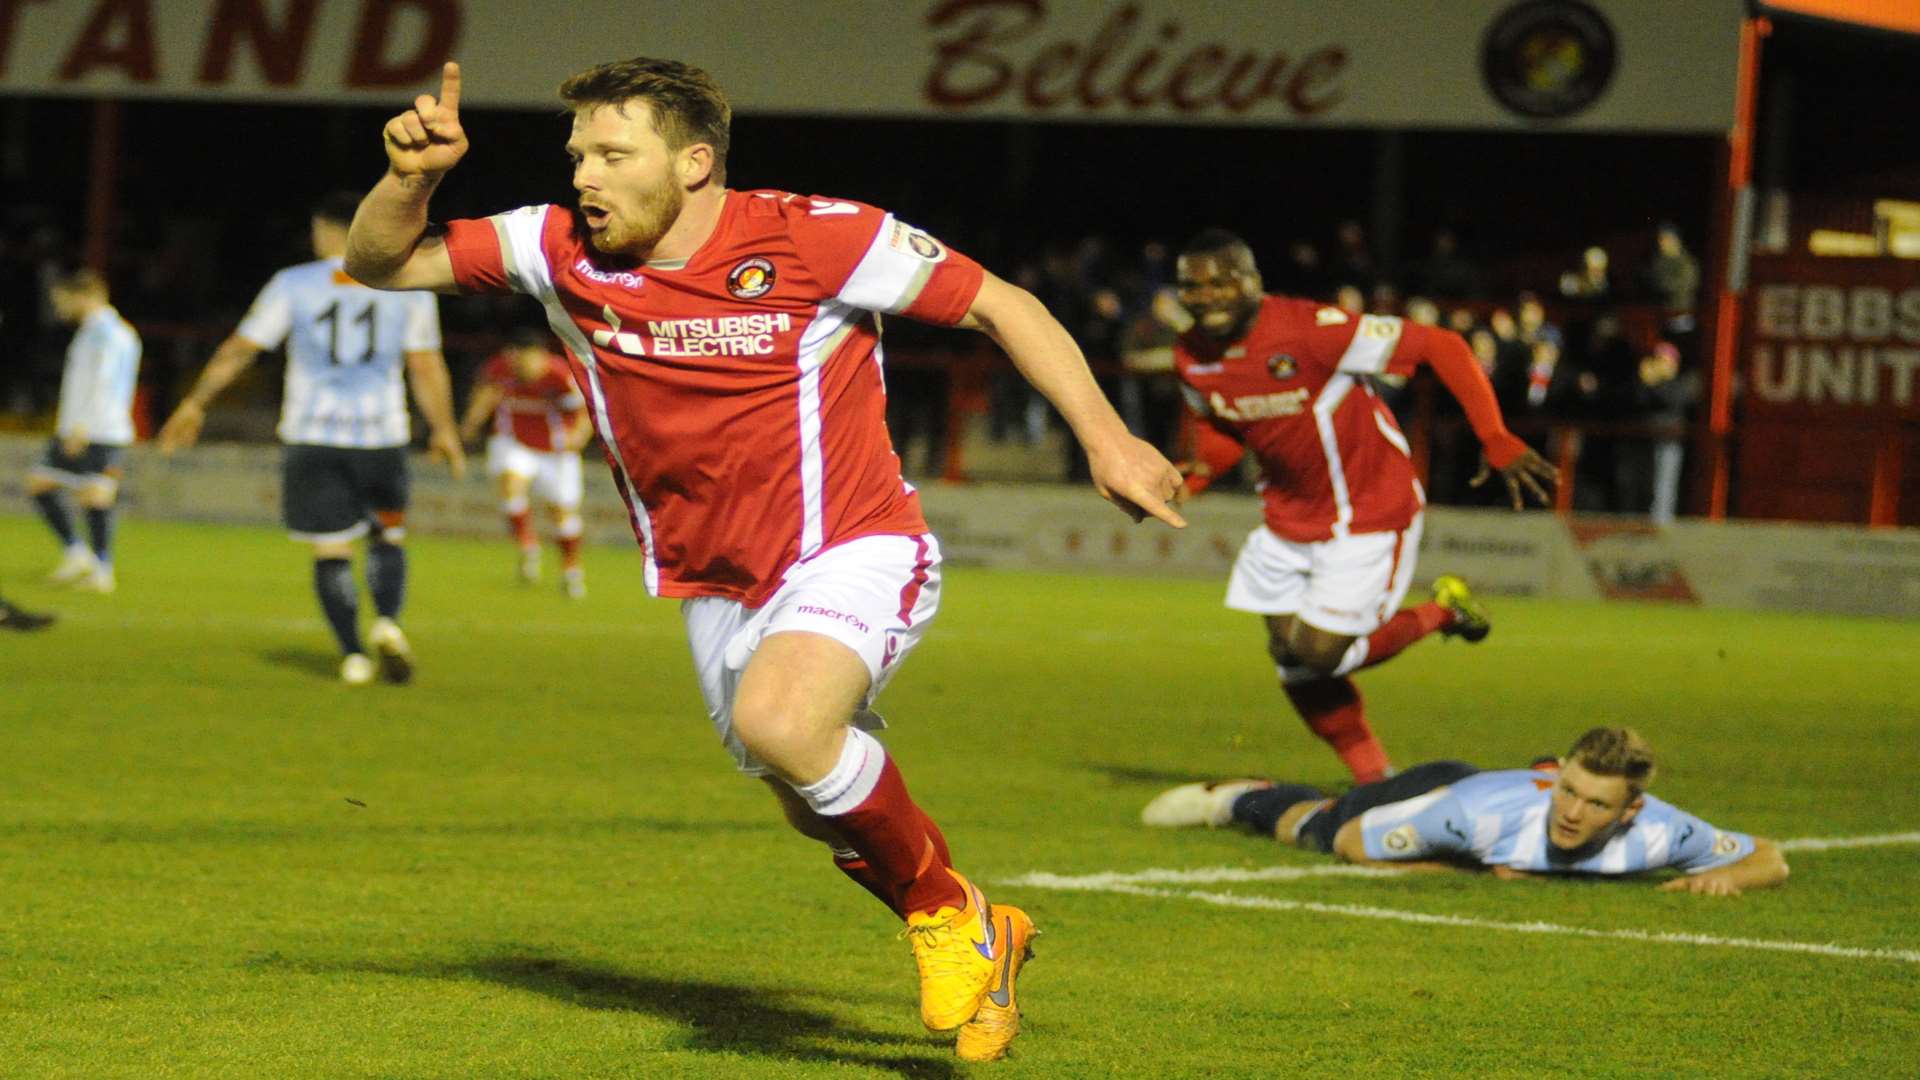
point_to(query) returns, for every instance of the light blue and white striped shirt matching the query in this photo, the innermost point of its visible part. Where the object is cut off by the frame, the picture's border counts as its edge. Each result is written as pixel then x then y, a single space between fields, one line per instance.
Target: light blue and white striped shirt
pixel 96 392
pixel 346 345
pixel 1500 819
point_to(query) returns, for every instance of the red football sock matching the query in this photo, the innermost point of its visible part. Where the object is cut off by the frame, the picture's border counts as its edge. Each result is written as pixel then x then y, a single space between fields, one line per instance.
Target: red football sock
pixel 894 835
pixel 1334 711
pixel 855 866
pixel 938 839
pixel 569 551
pixel 1406 627
pixel 520 523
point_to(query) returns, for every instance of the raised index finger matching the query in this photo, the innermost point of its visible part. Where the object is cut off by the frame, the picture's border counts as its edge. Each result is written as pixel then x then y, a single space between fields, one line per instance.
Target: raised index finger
pixel 450 86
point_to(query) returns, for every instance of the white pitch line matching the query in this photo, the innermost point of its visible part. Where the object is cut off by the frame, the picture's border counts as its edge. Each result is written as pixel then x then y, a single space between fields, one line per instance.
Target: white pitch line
pixel 1830 843
pixel 1213 875
pixel 1358 911
pixel 1216 875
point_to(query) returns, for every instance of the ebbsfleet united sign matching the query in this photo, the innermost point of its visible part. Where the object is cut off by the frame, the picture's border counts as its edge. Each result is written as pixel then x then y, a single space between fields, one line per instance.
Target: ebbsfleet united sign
pixel 1645 65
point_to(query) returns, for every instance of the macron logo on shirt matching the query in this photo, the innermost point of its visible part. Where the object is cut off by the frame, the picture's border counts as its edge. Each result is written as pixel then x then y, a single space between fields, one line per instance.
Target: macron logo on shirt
pixel 622 278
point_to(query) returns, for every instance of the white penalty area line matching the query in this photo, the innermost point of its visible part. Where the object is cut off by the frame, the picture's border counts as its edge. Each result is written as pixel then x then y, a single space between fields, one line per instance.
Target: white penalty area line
pixel 1153 882
pixel 1362 911
pixel 1830 843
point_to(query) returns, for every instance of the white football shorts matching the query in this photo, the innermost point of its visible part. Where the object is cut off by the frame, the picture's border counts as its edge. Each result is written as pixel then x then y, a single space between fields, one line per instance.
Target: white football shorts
pixel 875 595
pixel 555 474
pixel 1347 585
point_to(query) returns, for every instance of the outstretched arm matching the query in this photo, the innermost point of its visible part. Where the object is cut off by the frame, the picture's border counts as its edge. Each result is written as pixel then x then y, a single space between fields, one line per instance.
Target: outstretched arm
pixel 1127 471
pixel 433 391
pixel 387 245
pixel 1215 451
pixel 182 429
pixel 1525 471
pixel 1763 868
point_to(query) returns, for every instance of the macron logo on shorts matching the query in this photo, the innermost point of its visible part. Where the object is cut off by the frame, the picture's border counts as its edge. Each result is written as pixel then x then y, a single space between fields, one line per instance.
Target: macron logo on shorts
pixel 837 616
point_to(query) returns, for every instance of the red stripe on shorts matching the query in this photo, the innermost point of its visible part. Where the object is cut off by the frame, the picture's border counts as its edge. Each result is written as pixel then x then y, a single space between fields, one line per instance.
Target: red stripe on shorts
pixel 910 592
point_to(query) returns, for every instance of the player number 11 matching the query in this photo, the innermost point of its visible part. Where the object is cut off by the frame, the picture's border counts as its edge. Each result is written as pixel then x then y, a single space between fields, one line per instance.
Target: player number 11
pixel 331 316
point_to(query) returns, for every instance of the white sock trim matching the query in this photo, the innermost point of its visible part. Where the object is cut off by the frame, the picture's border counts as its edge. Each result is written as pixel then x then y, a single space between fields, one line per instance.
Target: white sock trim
pixel 852 779
pixel 514 507
pixel 1355 656
pixel 570 527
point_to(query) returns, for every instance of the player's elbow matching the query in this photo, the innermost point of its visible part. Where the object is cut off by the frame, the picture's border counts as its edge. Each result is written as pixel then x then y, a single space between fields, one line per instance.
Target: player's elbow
pixel 369 270
pixel 373 265
pixel 1772 862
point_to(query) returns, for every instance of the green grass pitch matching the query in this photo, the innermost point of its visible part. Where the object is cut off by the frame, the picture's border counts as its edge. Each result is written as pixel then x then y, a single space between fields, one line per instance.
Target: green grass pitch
pixel 537 862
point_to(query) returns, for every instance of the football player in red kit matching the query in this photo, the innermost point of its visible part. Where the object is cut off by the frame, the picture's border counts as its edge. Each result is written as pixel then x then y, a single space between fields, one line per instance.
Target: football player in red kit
pixel 1289 379
pixel 539 427
pixel 727 342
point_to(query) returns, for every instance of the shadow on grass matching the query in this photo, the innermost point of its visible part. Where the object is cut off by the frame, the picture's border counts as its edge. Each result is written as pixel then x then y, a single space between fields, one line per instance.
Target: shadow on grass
pixel 303 660
pixel 720 1017
pixel 1140 774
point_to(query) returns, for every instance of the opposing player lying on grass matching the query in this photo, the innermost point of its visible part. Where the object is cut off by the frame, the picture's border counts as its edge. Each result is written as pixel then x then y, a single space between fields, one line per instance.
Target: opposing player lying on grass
pixel 1589 813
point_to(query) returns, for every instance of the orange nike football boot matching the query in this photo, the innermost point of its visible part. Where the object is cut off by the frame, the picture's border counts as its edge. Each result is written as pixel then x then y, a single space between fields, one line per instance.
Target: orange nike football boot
pixel 987 1036
pixel 957 950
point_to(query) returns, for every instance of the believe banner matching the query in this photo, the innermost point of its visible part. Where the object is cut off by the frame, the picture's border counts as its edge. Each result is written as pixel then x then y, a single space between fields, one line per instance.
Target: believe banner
pixel 1627 65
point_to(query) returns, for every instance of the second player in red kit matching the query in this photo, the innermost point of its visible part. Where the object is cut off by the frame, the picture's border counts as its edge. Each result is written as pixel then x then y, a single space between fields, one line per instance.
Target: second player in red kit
pixel 1291 380
pixel 540 425
pixel 728 345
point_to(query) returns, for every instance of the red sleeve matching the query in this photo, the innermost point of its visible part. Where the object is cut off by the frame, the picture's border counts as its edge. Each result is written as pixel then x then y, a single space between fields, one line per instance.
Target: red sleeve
pixel 473 246
pixel 1452 359
pixel 866 257
pixel 1215 452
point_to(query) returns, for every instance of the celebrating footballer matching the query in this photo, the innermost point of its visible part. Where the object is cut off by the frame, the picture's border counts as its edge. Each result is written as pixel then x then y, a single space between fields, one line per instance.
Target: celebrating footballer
pixel 727 342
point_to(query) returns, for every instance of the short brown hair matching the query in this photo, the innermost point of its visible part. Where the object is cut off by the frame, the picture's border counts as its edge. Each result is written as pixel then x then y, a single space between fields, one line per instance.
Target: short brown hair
pixel 688 106
pixel 1618 752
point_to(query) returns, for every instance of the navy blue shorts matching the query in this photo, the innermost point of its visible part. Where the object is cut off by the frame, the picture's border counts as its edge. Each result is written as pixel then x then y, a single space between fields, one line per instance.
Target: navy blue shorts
pixel 332 493
pixel 1319 830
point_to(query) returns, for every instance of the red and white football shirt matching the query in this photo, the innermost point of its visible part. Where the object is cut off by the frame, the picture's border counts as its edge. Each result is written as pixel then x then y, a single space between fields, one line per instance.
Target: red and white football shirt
pixel 739 395
pixel 1293 389
pixel 535 413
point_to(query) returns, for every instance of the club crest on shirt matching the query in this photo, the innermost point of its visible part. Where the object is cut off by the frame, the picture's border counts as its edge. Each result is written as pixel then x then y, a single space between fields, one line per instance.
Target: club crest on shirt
pixel 1399 840
pixel 911 241
pixel 1282 366
pixel 751 278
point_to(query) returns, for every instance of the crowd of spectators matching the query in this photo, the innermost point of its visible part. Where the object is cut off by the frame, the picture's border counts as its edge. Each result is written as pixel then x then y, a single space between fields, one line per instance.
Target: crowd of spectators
pixel 1610 361
pixel 1607 353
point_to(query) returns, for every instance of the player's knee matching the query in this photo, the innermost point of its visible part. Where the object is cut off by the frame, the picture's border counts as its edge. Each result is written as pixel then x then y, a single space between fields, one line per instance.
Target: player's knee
pixel 770 729
pixel 1322 652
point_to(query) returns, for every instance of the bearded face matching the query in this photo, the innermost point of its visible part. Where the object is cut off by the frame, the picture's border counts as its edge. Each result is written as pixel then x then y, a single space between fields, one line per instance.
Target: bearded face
pixel 630 193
